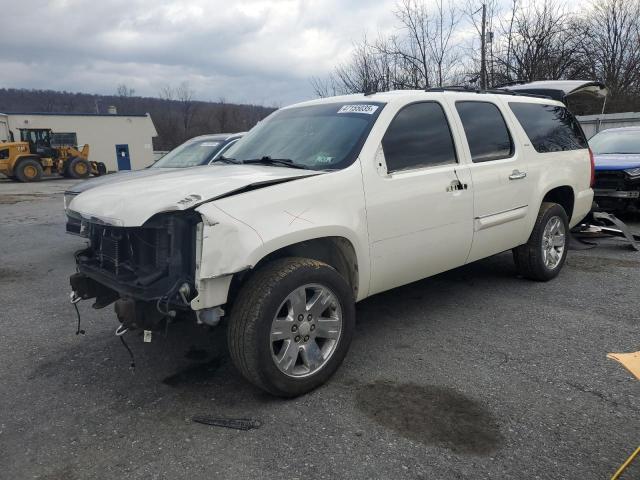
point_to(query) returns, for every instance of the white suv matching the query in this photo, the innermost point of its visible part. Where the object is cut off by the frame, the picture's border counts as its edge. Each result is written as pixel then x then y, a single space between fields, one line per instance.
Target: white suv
pixel 328 202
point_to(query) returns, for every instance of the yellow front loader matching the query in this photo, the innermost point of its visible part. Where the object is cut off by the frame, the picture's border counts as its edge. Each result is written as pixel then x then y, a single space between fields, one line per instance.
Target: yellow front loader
pixel 41 152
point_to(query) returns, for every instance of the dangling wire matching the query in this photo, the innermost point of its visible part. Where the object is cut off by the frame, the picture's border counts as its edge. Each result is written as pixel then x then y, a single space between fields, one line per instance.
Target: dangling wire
pixel 74 299
pixel 120 331
pixel 78 330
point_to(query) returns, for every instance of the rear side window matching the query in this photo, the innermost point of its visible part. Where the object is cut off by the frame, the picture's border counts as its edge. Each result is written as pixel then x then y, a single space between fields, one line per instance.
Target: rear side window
pixel 549 127
pixel 486 131
pixel 419 136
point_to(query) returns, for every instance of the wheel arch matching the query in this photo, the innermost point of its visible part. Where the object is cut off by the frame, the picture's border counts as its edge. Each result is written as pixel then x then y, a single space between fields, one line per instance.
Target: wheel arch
pixel 336 251
pixel 564 196
pixel 21 158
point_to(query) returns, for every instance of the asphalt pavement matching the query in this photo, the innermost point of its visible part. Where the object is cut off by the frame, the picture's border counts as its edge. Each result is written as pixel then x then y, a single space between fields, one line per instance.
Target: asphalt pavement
pixel 472 374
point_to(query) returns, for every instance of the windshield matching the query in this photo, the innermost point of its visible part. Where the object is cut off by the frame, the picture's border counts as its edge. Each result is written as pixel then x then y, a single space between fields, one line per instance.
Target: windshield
pixel 190 154
pixel 615 142
pixel 317 137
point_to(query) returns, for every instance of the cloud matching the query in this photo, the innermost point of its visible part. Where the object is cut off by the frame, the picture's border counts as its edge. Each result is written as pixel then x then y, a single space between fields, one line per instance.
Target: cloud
pixel 248 51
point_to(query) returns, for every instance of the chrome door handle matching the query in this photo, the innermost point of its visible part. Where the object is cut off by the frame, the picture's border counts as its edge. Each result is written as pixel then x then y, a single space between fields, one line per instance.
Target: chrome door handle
pixel 517 175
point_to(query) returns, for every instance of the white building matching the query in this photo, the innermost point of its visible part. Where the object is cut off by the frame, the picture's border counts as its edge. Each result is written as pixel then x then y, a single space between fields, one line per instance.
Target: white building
pixel 121 142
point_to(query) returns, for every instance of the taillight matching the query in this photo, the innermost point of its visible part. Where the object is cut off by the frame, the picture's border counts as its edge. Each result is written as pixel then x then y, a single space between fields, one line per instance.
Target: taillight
pixel 593 168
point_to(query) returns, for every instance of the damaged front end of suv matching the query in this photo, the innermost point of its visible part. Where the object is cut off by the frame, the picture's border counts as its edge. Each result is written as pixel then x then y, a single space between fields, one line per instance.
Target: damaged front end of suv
pixel 146 255
pixel 149 271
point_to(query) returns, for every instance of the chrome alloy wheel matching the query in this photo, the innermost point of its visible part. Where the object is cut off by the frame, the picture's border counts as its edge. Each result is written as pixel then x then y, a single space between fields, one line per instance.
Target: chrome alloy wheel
pixel 553 242
pixel 305 330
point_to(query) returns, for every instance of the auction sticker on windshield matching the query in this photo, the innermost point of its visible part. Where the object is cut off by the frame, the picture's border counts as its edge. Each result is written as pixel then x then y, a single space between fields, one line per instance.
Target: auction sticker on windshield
pixel 358 108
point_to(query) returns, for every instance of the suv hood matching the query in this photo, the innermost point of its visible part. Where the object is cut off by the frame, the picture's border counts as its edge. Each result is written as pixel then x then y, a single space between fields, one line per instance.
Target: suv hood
pixel 132 203
pixel 617 161
pixel 115 177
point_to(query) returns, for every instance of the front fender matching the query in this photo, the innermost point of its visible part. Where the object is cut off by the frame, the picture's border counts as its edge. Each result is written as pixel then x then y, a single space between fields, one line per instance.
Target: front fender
pixel 328 205
pixel 225 245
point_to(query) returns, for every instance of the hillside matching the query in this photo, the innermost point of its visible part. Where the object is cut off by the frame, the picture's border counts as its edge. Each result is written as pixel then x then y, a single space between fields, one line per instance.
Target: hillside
pixel 175 120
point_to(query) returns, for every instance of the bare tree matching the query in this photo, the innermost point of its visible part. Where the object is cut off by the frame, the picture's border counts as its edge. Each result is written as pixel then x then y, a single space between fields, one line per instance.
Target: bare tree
pixel 413 48
pixel 543 43
pixel 123 91
pixel 441 51
pixel 166 92
pixel 421 54
pixel 611 46
pixel 184 95
pixel 509 42
pixel 222 115
pixel 366 71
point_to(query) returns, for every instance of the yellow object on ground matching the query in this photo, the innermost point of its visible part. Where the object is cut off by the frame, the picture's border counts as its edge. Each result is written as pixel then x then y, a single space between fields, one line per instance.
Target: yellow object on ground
pixel 630 361
pixel 626 463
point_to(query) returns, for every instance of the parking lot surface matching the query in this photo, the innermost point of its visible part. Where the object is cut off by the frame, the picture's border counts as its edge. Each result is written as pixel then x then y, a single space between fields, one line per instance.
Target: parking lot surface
pixel 471 374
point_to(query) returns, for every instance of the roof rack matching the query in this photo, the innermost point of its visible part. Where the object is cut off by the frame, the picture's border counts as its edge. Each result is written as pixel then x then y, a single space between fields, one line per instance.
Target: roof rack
pixel 495 91
pixel 452 88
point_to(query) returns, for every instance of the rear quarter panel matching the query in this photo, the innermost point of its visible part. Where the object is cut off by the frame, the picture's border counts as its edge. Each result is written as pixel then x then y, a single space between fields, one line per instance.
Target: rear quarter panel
pixel 553 169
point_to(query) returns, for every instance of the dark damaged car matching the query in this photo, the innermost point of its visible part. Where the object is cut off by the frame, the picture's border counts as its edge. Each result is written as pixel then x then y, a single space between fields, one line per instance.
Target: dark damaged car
pixel 617 160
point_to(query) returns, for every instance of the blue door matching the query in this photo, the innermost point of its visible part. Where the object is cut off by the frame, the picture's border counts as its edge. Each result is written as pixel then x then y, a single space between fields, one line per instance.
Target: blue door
pixel 122 155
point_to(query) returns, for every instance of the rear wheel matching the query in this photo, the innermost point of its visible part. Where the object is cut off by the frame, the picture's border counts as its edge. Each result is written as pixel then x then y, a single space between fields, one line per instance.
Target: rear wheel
pixel 78 168
pixel 291 326
pixel 543 256
pixel 29 170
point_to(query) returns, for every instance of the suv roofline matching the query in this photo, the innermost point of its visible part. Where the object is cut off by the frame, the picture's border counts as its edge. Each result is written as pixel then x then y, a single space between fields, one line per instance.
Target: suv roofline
pixel 394 95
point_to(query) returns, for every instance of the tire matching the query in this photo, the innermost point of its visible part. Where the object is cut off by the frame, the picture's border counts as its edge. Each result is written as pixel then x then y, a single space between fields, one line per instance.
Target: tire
pixel 28 170
pixel 535 259
pixel 267 294
pixel 78 168
pixel 101 169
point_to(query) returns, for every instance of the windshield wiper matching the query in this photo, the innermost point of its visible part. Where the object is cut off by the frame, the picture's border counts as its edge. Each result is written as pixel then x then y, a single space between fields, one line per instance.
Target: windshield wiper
pixel 224 159
pixel 267 160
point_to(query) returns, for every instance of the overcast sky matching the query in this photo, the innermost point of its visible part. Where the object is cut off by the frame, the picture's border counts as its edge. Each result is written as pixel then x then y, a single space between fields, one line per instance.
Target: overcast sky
pixel 245 51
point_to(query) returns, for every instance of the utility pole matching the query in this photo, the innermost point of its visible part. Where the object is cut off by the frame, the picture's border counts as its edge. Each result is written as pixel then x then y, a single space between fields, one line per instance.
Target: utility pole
pixel 483 49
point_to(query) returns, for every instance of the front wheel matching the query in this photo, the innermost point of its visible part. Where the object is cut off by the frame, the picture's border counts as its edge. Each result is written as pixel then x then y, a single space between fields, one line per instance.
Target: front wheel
pixel 78 168
pixel 29 170
pixel 544 254
pixel 291 326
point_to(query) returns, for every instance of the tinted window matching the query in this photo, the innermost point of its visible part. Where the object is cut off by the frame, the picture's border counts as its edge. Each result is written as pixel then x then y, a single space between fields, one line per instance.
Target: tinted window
pixel 418 136
pixel 486 131
pixel 549 127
